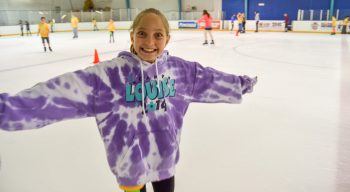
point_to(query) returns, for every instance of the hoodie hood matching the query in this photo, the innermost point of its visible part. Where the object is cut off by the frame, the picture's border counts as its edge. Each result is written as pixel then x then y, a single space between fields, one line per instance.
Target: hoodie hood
pixel 134 59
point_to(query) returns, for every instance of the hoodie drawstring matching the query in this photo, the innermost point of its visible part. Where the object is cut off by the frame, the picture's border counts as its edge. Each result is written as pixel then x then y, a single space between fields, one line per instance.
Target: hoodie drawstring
pixel 142 90
pixel 143 85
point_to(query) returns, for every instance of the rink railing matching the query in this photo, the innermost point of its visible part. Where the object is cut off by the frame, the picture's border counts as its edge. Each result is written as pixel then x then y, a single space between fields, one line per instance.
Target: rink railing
pixel 224 25
pixel 321 15
pixel 8 17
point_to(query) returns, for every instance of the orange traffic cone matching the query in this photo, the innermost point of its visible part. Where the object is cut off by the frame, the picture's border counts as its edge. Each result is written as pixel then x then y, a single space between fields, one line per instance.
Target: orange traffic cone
pixel 96 59
pixel 237 33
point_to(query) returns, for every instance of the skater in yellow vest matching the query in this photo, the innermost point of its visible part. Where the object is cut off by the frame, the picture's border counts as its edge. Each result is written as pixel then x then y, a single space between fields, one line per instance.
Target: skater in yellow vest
pixel 43 30
pixel 74 22
pixel 94 24
pixel 111 29
pixel 334 25
pixel 344 25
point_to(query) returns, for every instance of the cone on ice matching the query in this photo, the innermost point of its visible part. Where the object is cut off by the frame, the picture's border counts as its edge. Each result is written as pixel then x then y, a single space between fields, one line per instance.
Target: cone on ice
pixel 96 58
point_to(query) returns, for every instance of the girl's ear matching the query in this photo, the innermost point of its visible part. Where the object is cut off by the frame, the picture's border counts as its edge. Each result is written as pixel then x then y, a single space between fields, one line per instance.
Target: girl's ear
pixel 132 37
pixel 167 40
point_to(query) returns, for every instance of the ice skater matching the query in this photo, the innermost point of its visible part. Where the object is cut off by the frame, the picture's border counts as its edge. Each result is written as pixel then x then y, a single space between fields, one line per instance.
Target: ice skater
pixel 28 28
pixel 244 21
pixel 52 22
pixel 286 22
pixel 334 25
pixel 94 24
pixel 257 20
pixel 74 22
pixel 43 30
pixel 344 25
pixel 138 99
pixel 20 23
pixel 233 19
pixel 111 29
pixel 208 21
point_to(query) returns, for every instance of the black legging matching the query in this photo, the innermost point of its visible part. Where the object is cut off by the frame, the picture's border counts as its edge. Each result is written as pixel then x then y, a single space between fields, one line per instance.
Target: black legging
pixel 167 185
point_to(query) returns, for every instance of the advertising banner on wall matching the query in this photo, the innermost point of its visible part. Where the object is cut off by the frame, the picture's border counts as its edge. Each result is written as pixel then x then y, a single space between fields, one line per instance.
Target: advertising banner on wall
pixel 215 24
pixel 187 25
pixel 315 26
pixel 264 25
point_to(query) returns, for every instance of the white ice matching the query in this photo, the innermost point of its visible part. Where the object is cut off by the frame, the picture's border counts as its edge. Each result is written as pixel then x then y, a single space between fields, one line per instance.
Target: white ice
pixel 292 134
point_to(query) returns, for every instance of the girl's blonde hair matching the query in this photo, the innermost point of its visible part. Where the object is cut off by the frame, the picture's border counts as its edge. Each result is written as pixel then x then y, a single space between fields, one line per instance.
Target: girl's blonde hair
pixel 143 13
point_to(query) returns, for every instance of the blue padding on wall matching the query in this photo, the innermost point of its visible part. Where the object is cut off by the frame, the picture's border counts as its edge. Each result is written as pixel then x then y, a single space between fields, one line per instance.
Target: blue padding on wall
pixel 343 6
pixel 274 9
pixel 232 6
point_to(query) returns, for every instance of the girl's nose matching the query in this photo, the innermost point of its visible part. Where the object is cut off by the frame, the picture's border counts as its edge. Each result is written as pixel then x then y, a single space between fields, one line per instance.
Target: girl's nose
pixel 149 40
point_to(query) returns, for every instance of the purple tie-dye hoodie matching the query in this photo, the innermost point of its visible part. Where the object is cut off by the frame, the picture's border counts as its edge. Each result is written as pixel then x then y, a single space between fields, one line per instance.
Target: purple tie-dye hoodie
pixel 140 147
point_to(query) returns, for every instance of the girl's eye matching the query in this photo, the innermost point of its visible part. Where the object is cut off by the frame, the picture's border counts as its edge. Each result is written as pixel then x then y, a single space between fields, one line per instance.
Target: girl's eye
pixel 141 34
pixel 159 35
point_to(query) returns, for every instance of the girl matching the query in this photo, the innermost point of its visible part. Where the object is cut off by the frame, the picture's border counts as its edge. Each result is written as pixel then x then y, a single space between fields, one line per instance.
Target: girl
pixel 139 100
pixel 207 20
pixel 43 30
pixel 111 29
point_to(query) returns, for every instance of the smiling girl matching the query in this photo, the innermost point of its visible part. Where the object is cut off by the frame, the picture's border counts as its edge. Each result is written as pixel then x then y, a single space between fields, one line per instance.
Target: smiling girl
pixel 138 99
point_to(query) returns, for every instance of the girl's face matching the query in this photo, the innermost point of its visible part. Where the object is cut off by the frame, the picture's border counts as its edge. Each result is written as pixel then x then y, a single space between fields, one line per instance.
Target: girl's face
pixel 149 38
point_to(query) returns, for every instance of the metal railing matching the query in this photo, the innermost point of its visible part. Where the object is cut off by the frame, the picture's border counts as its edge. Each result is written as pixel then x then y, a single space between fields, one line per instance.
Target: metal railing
pixel 8 17
pixel 321 15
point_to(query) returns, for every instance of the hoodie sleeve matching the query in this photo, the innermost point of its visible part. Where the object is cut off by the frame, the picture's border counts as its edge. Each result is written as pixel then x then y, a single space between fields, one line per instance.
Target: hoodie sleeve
pixel 65 97
pixel 213 86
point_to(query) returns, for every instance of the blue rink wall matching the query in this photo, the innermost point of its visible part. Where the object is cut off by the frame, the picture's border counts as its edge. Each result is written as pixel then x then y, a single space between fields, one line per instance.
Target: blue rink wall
pixel 274 9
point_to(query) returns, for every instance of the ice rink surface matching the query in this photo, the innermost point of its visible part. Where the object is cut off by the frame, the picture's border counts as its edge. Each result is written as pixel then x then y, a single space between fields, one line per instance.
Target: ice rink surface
pixel 292 134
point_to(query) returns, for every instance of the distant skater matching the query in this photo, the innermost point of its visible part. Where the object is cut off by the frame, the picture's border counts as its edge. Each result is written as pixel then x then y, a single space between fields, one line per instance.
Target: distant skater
pixel 233 18
pixel 20 23
pixel 28 28
pixel 43 30
pixel 74 22
pixel 344 25
pixel 286 22
pixel 52 22
pixel 240 23
pixel 334 25
pixel 244 21
pixel 257 20
pixel 111 29
pixel 94 24
pixel 208 21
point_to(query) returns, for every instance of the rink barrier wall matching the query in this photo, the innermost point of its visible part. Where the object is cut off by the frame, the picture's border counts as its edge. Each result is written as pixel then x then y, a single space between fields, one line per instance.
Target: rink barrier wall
pixel 316 26
pixel 264 25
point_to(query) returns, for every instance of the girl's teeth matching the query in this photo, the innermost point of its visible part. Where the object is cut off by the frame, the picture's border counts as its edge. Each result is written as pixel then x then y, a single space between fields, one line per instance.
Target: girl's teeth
pixel 149 50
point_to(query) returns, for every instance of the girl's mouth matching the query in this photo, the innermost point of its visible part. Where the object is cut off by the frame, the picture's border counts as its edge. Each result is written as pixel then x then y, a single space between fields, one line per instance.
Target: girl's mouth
pixel 148 50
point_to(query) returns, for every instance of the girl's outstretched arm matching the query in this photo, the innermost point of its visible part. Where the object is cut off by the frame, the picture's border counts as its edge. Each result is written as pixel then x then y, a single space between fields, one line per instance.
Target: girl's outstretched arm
pixel 213 86
pixel 65 97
